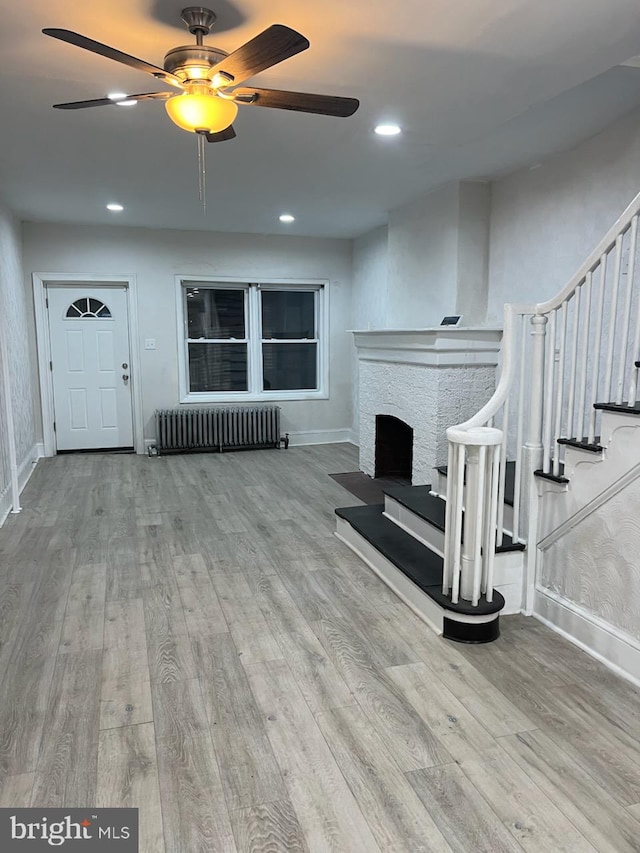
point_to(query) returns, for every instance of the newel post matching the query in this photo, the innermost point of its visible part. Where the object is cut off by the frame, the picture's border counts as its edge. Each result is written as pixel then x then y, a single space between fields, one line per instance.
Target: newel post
pixel 533 453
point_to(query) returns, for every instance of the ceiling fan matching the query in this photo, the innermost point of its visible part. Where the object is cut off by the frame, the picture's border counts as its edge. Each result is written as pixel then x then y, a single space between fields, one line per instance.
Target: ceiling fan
pixel 209 78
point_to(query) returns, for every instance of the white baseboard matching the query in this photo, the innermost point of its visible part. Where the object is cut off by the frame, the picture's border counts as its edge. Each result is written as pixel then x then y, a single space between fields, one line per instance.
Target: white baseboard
pixel 319 436
pixel 25 470
pixel 617 650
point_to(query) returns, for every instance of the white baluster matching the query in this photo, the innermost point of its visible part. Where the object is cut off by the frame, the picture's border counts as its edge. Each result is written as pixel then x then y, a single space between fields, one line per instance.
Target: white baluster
pixel 613 308
pixel 548 394
pixel 559 389
pixel 574 364
pixel 457 525
pixel 490 531
pixel 582 382
pixel 520 431
pixel 626 313
pixel 597 345
pixel 448 526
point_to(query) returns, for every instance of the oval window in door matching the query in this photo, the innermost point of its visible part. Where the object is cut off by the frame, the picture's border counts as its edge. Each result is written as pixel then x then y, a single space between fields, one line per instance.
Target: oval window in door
pixel 87 306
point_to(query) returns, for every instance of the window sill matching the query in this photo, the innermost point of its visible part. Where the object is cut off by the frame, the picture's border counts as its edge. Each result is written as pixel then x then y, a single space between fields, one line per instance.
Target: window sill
pixel 273 397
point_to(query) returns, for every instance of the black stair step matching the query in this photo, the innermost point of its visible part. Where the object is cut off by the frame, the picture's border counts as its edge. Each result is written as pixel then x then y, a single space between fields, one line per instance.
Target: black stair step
pixel 625 408
pixel 412 558
pixel 509 480
pixel 433 509
pixel 583 443
pixel 560 479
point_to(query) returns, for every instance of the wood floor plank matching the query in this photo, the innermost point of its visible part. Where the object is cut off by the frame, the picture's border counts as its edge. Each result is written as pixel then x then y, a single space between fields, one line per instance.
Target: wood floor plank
pixel 404 732
pixel 397 818
pixel 15 791
pixel 179 709
pixel 326 809
pixel 451 723
pixel 128 778
pixel 202 610
pixel 609 826
pixel 168 645
pixel 83 624
pixel 249 772
pixel 527 812
pixel 194 814
pixel 249 629
pixel 490 706
pixel 268 828
pixel 461 814
pixel 316 676
pixel 66 774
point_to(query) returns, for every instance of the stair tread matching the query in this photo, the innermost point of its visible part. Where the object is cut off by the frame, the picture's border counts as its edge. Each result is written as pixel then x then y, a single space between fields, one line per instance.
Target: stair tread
pixel 419 563
pixel 547 476
pixel 420 501
pixel 509 480
pixel 634 409
pixel 583 443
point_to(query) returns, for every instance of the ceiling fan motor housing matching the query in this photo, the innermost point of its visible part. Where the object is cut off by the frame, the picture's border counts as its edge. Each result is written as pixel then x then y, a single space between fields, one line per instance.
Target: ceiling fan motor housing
pixel 185 59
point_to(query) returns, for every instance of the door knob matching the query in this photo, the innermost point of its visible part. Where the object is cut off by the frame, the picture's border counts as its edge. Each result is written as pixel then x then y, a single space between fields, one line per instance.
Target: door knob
pixel 125 376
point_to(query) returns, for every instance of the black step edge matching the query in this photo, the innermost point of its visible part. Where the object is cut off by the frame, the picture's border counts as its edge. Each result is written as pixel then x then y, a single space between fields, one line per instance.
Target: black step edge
pixel 583 444
pixel 417 562
pixel 508 484
pixel 624 408
pixel 544 476
pixel 431 508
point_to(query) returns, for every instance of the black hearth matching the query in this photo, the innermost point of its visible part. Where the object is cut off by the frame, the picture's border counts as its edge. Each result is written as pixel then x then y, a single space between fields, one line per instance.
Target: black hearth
pixel 394 448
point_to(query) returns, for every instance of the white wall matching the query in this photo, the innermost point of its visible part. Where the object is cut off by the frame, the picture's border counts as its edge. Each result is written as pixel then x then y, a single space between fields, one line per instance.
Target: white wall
pixel 423 241
pixel 545 221
pixel 156 256
pixel 17 330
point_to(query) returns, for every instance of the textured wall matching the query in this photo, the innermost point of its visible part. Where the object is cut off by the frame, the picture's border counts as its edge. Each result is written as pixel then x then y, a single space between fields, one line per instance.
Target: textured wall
pixel 595 564
pixel 17 327
pixel 429 399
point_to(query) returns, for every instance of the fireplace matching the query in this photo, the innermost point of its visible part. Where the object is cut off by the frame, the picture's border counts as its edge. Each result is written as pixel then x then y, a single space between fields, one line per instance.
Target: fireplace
pixel 394 448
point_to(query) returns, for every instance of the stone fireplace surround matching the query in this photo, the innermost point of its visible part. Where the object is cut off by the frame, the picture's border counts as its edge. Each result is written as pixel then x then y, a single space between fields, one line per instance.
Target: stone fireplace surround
pixel 429 378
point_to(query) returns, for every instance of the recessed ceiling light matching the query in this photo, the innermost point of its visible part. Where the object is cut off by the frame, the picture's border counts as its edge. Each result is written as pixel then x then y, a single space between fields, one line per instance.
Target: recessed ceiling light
pixel 287 217
pixel 116 207
pixel 388 129
pixel 117 96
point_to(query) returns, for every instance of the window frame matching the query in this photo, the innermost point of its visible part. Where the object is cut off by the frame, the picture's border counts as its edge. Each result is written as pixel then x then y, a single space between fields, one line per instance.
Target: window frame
pixel 254 339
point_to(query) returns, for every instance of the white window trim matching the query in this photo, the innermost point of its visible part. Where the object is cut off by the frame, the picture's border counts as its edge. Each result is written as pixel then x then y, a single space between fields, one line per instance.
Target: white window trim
pixel 254 331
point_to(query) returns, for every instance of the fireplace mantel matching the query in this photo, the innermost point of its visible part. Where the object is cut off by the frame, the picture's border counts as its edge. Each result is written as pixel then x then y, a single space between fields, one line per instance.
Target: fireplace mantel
pixel 428 378
pixel 440 346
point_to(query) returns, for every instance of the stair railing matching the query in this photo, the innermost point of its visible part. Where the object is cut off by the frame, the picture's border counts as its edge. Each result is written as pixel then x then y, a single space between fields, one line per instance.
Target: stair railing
pixel 582 348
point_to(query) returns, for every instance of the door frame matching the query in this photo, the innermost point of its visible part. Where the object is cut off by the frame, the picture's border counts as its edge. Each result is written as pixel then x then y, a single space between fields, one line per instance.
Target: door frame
pixel 40 281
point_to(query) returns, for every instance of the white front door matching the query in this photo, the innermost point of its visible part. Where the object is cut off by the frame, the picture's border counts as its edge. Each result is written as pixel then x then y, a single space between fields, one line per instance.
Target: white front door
pixel 89 330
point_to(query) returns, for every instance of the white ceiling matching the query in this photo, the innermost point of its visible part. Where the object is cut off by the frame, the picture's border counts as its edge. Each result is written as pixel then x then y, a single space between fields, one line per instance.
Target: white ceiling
pixel 479 86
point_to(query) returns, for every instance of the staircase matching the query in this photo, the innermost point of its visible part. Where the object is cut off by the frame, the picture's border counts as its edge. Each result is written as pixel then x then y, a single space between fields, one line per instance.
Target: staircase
pixel 539 466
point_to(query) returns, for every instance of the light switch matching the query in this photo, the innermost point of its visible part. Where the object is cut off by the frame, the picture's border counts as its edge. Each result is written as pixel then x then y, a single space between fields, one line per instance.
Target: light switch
pixel 149 343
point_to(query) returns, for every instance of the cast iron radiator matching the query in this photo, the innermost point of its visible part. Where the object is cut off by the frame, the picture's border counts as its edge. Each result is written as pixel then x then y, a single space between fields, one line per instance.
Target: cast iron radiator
pixel 180 430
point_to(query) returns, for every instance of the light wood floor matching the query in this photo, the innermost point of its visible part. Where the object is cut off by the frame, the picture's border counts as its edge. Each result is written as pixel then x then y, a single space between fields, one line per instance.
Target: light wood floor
pixel 185 635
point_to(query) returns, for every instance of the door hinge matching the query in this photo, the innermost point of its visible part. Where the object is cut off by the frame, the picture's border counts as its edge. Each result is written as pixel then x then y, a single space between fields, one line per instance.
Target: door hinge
pixel 54 426
pixel 46 301
pixel 50 365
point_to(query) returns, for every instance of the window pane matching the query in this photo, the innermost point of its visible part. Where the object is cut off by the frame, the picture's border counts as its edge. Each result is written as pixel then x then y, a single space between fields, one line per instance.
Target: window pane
pixel 289 367
pixel 213 313
pixel 288 314
pixel 217 367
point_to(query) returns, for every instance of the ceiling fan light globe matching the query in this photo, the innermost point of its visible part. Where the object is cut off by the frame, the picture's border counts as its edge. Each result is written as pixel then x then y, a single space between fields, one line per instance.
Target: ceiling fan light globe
pixel 201 112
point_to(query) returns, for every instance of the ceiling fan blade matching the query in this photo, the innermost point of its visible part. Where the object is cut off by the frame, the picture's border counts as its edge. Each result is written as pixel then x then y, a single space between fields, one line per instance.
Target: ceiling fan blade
pixel 301 102
pixel 222 136
pixel 111 53
pixel 105 102
pixel 273 45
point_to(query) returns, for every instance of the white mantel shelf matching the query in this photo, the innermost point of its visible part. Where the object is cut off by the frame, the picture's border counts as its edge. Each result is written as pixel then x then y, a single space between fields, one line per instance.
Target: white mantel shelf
pixel 440 346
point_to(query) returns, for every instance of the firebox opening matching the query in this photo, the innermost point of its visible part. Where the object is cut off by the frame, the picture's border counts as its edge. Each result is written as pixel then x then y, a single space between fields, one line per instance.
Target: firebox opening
pixel 394 448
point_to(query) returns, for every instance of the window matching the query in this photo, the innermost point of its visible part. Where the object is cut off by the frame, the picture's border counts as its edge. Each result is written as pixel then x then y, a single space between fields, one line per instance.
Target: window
pixel 87 307
pixel 252 341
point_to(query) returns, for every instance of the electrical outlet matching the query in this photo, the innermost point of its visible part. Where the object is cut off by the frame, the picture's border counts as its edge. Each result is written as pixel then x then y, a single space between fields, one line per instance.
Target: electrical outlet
pixel 149 343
